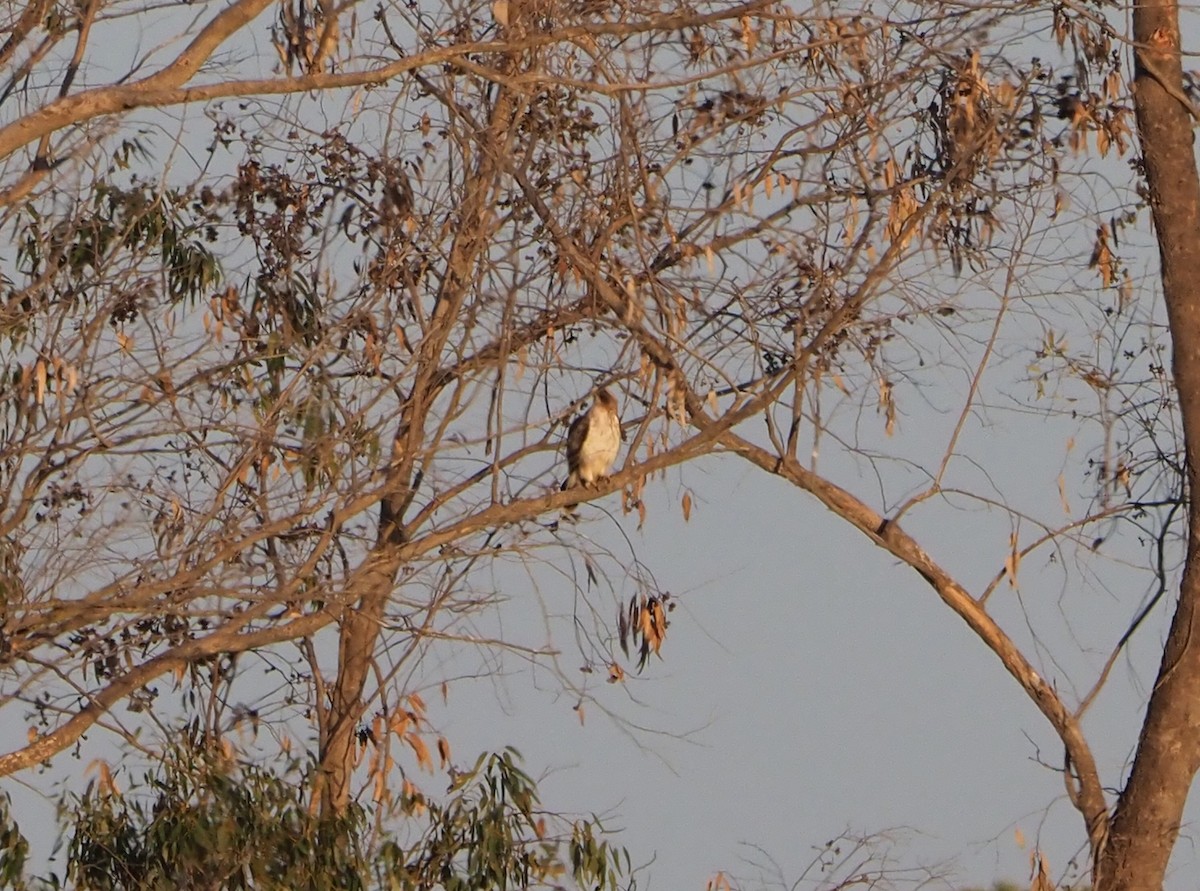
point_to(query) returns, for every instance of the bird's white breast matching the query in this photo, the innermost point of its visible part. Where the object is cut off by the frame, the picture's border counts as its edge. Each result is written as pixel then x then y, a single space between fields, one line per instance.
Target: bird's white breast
pixel 600 447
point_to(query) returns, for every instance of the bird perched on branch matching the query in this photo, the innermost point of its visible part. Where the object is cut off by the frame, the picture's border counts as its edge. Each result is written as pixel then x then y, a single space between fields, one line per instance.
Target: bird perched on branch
pixel 593 441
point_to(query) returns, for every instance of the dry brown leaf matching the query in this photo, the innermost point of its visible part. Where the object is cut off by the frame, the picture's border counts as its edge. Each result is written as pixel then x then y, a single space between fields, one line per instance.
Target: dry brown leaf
pixel 1041 873
pixel 443 751
pixel 380 791
pixel 1061 202
pixel 1126 291
pixel 414 800
pixel 887 405
pixel 1102 258
pixel 420 750
pixel 749 35
pixel 644 621
pixel 658 623
pixel 400 724
pixel 904 205
pixel 1013 561
pixel 1062 494
pixel 687 506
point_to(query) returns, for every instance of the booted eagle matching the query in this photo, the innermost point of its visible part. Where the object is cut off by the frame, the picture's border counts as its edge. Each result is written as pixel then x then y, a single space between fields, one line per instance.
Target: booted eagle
pixel 593 441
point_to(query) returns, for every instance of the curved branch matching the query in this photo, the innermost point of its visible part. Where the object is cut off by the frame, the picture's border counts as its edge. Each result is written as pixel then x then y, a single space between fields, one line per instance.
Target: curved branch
pixel 226 639
pixel 1089 797
pixel 107 100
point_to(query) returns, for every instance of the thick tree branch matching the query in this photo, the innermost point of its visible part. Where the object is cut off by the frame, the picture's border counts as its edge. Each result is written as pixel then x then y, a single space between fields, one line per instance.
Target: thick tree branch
pixel 1147 821
pixel 166 87
pixel 108 100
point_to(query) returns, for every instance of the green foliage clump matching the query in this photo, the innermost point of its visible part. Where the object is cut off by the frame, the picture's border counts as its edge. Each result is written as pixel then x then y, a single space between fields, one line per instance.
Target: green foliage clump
pixel 491 835
pixel 202 820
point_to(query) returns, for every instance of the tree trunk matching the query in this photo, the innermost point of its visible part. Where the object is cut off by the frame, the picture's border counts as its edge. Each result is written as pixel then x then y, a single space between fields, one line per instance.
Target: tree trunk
pixel 361 625
pixel 1146 824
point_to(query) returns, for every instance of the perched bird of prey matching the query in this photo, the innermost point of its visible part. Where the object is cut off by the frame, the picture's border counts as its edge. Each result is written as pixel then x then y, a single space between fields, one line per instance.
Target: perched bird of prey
pixel 593 441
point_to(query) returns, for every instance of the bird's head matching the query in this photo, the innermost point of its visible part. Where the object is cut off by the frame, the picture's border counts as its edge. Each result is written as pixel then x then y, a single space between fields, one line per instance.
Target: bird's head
pixel 607 399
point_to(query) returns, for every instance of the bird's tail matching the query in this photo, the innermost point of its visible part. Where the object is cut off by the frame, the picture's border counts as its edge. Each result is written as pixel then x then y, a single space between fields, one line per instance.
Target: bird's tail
pixel 568 510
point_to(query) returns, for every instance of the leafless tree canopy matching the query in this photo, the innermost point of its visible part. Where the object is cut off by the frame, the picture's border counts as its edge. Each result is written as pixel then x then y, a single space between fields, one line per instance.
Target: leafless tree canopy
pixel 302 295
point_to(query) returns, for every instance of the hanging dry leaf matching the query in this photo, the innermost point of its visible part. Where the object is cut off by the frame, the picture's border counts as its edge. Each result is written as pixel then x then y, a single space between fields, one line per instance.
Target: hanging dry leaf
pixel 1013 561
pixel 687 506
pixel 420 750
pixel 1102 258
pixel 1062 494
pixel 749 35
pixel 400 724
pixel 887 405
pixel 414 801
pixel 380 791
pixel 1041 873
pixel 443 746
pixel 658 623
pixel 904 205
